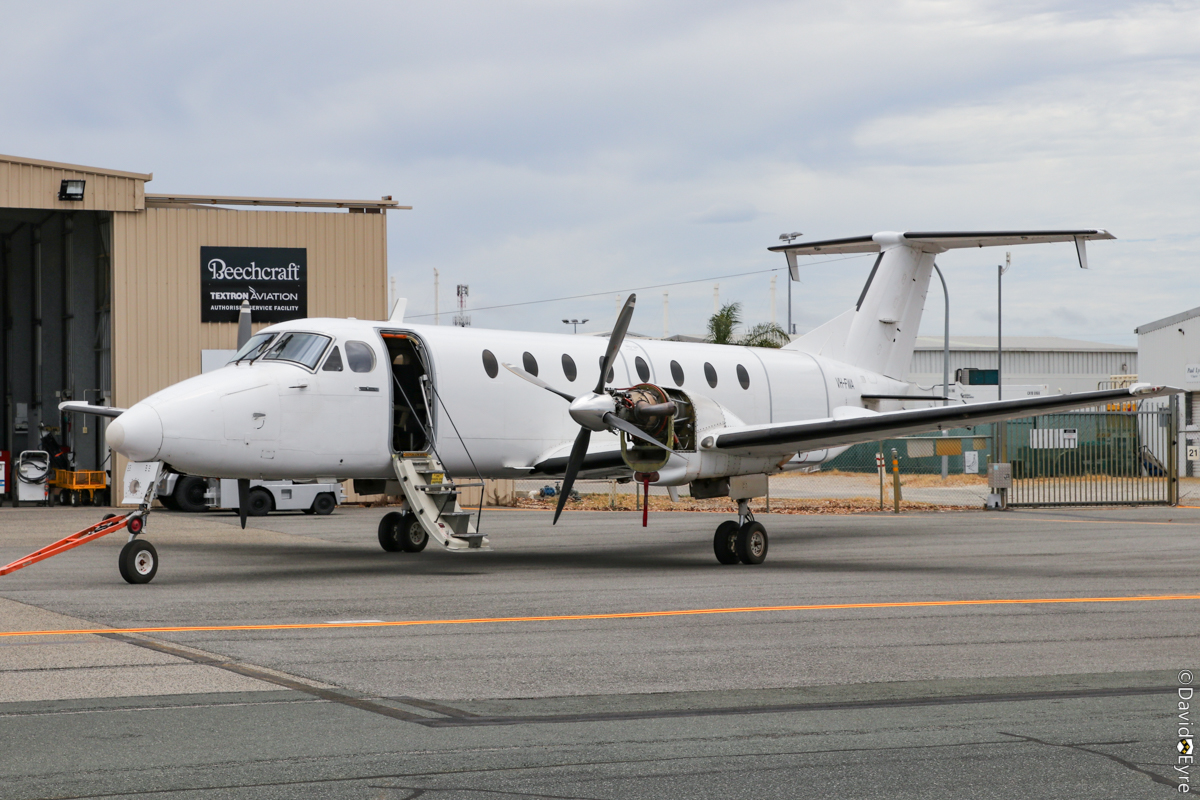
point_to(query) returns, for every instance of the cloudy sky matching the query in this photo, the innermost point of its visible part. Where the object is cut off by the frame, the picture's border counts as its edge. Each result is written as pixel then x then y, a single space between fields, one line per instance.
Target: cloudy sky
pixel 555 149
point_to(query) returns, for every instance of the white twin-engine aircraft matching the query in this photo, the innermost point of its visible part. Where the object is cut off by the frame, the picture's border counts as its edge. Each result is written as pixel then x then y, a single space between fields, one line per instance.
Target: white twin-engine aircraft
pixel 398 407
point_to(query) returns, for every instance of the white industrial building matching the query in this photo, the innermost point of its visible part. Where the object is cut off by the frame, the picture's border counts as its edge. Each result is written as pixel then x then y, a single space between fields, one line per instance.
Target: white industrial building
pixel 1169 353
pixel 1062 365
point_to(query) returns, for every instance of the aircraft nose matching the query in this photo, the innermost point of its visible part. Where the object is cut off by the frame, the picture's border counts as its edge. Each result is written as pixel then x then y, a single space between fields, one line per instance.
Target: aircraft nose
pixel 137 434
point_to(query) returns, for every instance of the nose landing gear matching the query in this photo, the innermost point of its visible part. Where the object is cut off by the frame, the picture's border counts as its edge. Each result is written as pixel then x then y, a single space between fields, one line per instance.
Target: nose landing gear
pixel 743 541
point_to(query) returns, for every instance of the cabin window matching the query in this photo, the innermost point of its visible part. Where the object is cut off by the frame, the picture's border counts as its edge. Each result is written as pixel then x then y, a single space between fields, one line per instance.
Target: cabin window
pixel 677 373
pixel 569 368
pixel 301 348
pixel 743 376
pixel 490 366
pixel 710 375
pixel 530 363
pixel 611 371
pixel 643 370
pixel 334 362
pixel 360 357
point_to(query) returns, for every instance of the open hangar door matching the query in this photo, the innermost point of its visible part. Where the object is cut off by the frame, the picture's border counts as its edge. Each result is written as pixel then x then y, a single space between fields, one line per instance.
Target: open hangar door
pixel 55 340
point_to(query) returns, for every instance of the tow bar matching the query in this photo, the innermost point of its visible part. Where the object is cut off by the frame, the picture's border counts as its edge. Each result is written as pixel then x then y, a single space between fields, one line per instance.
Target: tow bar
pixel 134 521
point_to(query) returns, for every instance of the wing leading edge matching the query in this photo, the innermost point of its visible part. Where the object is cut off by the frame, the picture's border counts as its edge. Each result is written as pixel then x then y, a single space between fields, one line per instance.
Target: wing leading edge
pixel 791 437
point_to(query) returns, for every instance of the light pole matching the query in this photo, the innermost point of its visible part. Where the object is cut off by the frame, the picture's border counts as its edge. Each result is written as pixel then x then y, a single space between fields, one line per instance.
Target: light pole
pixel 575 322
pixel 788 238
pixel 945 363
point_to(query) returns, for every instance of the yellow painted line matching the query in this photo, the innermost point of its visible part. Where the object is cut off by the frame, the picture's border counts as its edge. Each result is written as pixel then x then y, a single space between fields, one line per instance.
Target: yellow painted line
pixel 625 615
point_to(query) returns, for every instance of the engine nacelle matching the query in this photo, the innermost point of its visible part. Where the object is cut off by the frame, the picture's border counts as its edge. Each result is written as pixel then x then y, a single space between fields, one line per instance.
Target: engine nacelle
pixel 695 417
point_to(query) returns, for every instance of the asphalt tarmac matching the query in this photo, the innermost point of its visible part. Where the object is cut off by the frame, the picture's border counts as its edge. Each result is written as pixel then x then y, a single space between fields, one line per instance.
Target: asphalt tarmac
pixel 894 696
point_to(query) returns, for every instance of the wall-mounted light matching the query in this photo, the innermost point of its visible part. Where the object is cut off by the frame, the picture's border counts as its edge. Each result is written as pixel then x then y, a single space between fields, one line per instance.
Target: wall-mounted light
pixel 71 189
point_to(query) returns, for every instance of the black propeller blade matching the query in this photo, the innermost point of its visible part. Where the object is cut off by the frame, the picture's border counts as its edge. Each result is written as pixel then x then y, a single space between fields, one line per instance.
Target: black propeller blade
pixel 243 499
pixel 578 451
pixel 613 421
pixel 615 340
pixel 536 381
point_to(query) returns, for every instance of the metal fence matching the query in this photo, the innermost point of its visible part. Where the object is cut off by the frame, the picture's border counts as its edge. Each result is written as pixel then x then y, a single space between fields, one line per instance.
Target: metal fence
pixel 1097 457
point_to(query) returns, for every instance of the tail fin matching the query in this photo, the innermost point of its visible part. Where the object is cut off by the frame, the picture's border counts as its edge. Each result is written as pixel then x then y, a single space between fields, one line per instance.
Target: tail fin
pixel 879 333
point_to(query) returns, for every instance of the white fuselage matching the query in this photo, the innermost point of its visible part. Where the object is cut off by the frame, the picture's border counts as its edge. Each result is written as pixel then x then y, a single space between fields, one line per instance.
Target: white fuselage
pixel 274 420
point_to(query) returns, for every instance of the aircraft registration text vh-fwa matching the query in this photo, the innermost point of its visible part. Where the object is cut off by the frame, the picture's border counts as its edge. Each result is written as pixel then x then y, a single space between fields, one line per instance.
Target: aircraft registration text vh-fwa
pixel 400 407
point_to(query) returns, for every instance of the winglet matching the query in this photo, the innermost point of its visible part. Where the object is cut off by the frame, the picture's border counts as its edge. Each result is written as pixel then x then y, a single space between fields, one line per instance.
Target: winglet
pixel 397 314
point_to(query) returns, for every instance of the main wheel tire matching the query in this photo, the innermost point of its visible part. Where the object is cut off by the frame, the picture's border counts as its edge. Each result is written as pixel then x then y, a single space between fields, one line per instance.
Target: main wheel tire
pixel 413 537
pixel 752 543
pixel 168 502
pixel 389 532
pixel 138 561
pixel 725 542
pixel 324 503
pixel 260 502
pixel 189 494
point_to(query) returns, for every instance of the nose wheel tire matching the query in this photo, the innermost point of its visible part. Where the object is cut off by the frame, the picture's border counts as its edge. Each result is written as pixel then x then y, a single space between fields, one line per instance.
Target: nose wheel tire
pixel 752 543
pixel 389 532
pixel 725 542
pixel 138 561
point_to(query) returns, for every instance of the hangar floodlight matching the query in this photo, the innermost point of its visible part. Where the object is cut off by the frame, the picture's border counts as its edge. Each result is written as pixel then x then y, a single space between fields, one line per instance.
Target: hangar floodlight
pixel 71 189
pixel 575 322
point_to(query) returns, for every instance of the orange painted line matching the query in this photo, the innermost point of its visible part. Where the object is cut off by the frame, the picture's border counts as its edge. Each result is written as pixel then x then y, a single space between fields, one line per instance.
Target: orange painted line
pixel 622 615
pixel 1105 521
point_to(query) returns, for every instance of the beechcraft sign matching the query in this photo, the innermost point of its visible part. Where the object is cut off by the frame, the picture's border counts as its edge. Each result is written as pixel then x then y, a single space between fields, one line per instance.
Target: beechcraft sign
pixel 273 279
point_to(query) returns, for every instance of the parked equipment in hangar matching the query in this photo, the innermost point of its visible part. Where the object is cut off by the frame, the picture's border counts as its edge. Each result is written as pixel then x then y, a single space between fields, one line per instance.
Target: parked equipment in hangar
pixel 381 401
pixel 33 478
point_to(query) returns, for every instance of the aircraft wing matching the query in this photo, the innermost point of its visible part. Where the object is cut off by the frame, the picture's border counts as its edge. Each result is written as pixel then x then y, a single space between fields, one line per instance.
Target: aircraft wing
pixel 783 438
pixel 80 407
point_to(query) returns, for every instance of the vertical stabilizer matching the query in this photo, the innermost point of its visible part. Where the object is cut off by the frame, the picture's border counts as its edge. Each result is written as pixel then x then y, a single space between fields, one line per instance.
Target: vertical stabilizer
pixel 879 333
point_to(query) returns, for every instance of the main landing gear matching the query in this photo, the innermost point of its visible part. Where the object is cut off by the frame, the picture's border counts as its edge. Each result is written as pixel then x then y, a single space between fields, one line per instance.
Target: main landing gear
pixel 742 541
pixel 402 533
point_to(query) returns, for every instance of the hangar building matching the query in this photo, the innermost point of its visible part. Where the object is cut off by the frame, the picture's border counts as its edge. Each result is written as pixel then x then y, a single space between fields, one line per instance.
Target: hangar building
pixel 109 293
pixel 1063 365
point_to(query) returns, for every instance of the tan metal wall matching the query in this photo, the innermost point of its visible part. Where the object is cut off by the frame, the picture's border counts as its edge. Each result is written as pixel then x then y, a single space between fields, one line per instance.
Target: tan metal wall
pixel 29 183
pixel 157 334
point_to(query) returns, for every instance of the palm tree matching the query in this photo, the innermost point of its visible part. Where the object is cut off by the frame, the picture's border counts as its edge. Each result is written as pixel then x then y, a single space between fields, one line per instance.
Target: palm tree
pixel 722 323
pixel 721 327
pixel 765 334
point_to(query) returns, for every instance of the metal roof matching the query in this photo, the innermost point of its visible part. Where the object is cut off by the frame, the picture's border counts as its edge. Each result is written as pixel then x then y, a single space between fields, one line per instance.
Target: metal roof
pixel 37 162
pixel 162 200
pixel 1174 319
pixel 1017 343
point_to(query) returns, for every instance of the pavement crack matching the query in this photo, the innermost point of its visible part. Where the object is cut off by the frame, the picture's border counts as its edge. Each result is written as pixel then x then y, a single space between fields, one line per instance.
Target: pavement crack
pixel 1154 776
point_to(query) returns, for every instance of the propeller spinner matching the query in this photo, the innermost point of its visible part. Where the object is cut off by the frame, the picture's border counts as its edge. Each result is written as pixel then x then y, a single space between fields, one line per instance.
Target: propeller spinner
pixel 596 411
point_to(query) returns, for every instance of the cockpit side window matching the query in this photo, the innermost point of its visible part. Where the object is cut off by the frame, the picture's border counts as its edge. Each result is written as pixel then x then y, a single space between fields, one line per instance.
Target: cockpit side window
pixel 360 357
pixel 334 362
pixel 302 348
pixel 253 348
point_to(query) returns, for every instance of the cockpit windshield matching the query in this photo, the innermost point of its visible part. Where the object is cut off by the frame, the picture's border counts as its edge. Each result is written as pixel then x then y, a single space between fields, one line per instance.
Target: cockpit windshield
pixel 254 348
pixel 302 348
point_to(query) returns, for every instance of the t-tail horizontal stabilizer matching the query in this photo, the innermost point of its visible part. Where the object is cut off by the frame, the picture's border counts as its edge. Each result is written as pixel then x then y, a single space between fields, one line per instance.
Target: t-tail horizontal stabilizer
pixel 879 333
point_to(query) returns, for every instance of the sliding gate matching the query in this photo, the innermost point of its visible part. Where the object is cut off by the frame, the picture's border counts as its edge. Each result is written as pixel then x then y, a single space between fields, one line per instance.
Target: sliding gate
pixel 1121 454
